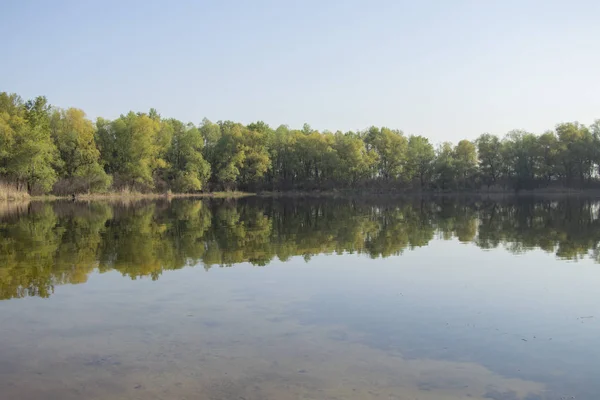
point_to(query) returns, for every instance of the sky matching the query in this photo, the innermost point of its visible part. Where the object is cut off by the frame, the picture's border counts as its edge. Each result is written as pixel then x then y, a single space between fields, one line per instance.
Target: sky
pixel 444 69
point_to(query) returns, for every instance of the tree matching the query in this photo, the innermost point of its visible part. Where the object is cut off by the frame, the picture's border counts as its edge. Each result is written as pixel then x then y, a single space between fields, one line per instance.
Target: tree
pixel 420 158
pixel 12 119
pixel 595 150
pixel 549 167
pixel 73 135
pixel 241 156
pixel 354 161
pixel 315 158
pixel 282 159
pixel 521 154
pixel 465 161
pixel 489 149
pixel 575 151
pixel 133 146
pixel 188 170
pixel 32 157
pixel 44 148
pixel 27 155
pixel 258 161
pixel 444 167
pixel 391 148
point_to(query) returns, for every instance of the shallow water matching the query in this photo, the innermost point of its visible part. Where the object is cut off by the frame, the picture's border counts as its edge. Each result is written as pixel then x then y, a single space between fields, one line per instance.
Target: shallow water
pixel 300 299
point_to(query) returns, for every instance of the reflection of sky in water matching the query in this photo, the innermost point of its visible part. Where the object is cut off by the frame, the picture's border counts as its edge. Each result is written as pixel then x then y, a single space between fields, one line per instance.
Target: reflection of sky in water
pixel 445 321
pixel 519 316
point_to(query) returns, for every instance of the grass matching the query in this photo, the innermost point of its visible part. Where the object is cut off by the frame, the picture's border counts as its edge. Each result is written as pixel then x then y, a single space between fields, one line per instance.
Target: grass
pixel 11 193
pixel 129 194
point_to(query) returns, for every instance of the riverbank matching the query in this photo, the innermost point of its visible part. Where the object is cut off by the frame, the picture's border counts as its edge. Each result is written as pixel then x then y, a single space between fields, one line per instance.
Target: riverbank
pixel 24 197
pixel 8 194
pixel 137 195
pixel 132 195
pixel 546 192
pixel 21 197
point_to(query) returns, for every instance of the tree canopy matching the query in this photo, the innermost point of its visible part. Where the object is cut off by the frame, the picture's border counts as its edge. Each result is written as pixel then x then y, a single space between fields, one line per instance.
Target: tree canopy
pixel 47 149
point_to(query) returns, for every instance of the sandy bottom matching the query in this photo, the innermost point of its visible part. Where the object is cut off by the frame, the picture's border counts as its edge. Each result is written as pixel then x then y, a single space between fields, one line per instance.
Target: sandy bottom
pixel 171 348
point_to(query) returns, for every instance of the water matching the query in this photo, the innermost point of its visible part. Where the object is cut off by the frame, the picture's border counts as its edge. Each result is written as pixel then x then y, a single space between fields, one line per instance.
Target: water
pixel 301 299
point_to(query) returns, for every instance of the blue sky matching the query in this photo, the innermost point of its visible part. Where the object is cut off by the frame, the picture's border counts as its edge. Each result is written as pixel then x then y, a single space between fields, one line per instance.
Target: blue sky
pixel 444 69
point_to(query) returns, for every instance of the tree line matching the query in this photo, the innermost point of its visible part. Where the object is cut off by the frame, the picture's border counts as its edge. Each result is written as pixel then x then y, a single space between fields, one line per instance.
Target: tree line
pixel 47 149
pixel 47 244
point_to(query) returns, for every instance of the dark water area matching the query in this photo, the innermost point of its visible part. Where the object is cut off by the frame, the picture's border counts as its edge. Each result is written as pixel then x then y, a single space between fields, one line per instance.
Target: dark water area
pixel 260 298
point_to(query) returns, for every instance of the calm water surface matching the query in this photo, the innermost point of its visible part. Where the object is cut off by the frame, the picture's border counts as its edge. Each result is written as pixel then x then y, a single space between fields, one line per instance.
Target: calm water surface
pixel 301 299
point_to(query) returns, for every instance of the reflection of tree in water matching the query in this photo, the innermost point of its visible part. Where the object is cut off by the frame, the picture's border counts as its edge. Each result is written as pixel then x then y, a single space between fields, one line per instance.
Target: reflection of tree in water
pixel 39 248
pixel 47 244
pixel 569 228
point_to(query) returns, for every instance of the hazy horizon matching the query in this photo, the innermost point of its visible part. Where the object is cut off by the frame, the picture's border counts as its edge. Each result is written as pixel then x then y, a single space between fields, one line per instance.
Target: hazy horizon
pixel 445 71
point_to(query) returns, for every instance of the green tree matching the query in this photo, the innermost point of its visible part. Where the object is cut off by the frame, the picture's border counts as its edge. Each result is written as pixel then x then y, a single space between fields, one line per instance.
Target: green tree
pixel 465 162
pixel 241 156
pixel 31 155
pixel 133 147
pixel 354 161
pixel 549 167
pixel 489 149
pixel 520 151
pixel 576 152
pixel 12 120
pixel 420 157
pixel 73 135
pixel 188 170
pixel 391 148
pixel 444 167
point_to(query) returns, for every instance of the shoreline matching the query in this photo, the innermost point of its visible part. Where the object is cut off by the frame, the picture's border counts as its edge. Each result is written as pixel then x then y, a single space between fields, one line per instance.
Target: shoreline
pixel 102 196
pixel 430 194
pixel 129 196
pixel 297 194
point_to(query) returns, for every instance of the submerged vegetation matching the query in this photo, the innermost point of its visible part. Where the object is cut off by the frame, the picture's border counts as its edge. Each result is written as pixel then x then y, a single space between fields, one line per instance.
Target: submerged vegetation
pixel 45 244
pixel 44 149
